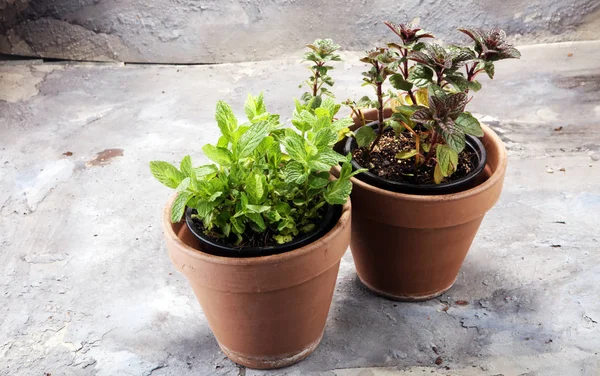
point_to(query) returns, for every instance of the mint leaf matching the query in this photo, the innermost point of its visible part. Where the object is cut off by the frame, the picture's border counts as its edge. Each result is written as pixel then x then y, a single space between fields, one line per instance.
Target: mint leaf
pixel 325 159
pixel 469 124
pixel 205 170
pixel 295 146
pixel 218 155
pixel 257 219
pixel 255 186
pixel 317 182
pixel 166 173
pixel 226 120
pixel 178 207
pixel 405 154
pixel 398 82
pixel 447 159
pixel 324 138
pixel 337 192
pixel 258 208
pixel 294 173
pixel 420 75
pixel 365 136
pixel 186 166
pixel 254 106
pixel 251 139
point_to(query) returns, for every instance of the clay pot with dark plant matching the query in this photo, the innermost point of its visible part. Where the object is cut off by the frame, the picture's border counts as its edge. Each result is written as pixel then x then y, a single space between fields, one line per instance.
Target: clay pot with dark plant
pixel 260 232
pixel 433 169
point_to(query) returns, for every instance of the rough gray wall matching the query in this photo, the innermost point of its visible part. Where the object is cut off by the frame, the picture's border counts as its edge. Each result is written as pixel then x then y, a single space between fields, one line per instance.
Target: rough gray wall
pixel 212 31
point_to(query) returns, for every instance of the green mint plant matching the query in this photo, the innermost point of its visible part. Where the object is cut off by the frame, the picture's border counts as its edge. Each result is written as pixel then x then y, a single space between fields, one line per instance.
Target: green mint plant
pixel 383 62
pixel 431 93
pixel 322 52
pixel 265 179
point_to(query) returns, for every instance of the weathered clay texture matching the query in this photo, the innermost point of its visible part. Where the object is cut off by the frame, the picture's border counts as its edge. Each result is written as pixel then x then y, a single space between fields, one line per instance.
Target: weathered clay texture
pixel 212 31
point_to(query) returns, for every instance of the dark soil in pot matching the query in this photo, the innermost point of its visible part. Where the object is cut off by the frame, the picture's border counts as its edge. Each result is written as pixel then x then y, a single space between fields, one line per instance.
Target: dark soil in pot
pixel 399 175
pixel 261 244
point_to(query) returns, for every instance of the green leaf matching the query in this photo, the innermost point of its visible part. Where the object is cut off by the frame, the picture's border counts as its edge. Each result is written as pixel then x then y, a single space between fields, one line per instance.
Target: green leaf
pixel 294 173
pixel 469 124
pixel 474 85
pixel 166 173
pixel 436 91
pixel 223 142
pixel 178 207
pixel 254 106
pixel 325 159
pixel 398 82
pixel 420 75
pixel 204 208
pixel 365 136
pixel 258 208
pixel 437 174
pixel 282 239
pixel 295 146
pixel 303 120
pixel 251 139
pixel 322 112
pixel 258 219
pixel 342 123
pixel 226 120
pixel 365 102
pixel 186 166
pixel 489 68
pixel 218 155
pixel 405 154
pixel 458 80
pixel 397 126
pixel 214 196
pixel 337 192
pixel 317 182
pixel 205 170
pixel 324 138
pixel 255 186
pixel 456 140
pixel 447 159
pixel 185 183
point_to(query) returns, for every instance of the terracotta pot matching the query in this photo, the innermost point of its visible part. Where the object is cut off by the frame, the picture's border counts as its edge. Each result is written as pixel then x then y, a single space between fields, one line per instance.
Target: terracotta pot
pixel 265 312
pixel 411 247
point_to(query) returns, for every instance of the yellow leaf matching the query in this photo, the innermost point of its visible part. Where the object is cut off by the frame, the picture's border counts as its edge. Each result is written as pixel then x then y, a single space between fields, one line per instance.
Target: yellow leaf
pixel 395 102
pixel 421 96
pixel 437 174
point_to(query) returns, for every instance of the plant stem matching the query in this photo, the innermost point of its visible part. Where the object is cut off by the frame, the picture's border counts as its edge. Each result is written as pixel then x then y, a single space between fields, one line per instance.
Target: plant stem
pixel 417 143
pixel 431 146
pixel 404 53
pixel 379 109
pixel 317 76
pixel 440 74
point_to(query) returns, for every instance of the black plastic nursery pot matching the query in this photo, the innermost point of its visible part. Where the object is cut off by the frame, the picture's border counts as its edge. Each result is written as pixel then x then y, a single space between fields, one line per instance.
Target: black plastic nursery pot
pixel 473 145
pixel 218 248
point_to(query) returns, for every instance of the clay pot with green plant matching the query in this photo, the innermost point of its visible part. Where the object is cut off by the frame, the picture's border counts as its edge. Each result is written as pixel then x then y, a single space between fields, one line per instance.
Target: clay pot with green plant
pixel 433 169
pixel 260 232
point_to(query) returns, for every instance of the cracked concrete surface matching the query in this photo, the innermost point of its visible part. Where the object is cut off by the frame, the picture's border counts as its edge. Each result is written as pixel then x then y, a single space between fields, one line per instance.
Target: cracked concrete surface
pixel 87 287
pixel 216 31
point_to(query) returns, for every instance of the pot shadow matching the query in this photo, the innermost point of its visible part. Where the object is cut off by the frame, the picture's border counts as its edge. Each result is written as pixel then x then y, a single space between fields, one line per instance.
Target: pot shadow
pixel 366 330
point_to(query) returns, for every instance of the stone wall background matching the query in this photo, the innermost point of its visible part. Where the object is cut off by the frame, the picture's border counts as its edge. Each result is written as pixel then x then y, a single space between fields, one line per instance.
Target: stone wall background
pixel 217 31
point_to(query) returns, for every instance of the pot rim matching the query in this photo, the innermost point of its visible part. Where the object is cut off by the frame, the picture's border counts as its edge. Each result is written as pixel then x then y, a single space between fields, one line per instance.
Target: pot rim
pixel 252 261
pixel 490 137
pixel 425 189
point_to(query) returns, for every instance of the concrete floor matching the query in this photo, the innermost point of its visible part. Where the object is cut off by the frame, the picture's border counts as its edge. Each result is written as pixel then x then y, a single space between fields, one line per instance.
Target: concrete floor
pixel 87 287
